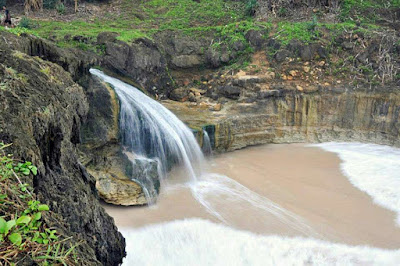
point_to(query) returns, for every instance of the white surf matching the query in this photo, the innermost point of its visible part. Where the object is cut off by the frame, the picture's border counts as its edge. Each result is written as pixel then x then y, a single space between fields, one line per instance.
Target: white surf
pixel 201 242
pixel 374 169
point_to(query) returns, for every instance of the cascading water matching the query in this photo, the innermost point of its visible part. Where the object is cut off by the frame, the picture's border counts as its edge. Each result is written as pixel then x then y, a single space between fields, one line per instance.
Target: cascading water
pixel 150 130
pixel 207 149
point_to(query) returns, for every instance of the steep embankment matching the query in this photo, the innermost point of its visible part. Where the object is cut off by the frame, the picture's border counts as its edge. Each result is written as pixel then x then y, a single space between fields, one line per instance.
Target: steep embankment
pixel 41 114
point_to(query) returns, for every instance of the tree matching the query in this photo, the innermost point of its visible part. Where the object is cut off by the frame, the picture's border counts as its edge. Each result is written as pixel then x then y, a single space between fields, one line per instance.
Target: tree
pixel 30 5
pixel 76 6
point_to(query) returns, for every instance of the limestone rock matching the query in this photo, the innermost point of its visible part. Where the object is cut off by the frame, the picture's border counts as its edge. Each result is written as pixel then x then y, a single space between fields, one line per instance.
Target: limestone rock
pixel 119 191
pixel 142 61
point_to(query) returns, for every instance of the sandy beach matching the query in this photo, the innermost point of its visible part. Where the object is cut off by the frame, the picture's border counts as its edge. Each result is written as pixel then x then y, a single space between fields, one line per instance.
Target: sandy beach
pixel 303 181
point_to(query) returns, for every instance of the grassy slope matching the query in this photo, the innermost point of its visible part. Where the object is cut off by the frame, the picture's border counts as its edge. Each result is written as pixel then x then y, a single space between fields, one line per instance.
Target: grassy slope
pixel 226 20
pixel 135 19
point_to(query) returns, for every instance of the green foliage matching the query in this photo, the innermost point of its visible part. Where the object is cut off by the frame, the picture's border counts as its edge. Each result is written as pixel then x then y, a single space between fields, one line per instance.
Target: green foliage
pixel 302 31
pixel 26 23
pixel 282 12
pixel 22 229
pixel 183 14
pixel 60 8
pixel 352 8
pixel 50 4
pixel 251 6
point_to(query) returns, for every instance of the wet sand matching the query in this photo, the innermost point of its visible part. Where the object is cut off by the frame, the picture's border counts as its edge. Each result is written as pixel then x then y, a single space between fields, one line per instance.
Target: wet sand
pixel 306 181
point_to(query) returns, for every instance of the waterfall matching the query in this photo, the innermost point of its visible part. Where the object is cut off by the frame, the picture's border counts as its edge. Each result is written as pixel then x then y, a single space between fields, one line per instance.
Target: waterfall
pixel 206 147
pixel 150 130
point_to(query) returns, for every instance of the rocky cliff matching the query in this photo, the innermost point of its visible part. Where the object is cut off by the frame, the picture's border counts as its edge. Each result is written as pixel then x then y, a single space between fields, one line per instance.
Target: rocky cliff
pixel 325 115
pixel 41 114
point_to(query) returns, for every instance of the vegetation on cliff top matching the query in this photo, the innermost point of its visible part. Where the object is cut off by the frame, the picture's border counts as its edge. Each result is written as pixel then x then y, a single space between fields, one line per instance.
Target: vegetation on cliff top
pixel 24 235
pixel 227 22
pixel 135 19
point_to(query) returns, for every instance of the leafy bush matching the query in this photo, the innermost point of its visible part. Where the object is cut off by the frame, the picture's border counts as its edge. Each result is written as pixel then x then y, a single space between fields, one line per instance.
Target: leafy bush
pixel 251 6
pixel 26 23
pixel 60 9
pixel 50 4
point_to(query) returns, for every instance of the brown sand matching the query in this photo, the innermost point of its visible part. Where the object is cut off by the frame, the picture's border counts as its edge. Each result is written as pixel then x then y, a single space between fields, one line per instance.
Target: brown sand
pixel 306 181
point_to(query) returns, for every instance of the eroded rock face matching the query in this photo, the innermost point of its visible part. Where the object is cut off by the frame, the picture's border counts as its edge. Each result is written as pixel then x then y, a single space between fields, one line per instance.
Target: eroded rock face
pixel 101 125
pixel 41 113
pixel 140 61
pixel 315 117
pixel 114 174
pixel 309 115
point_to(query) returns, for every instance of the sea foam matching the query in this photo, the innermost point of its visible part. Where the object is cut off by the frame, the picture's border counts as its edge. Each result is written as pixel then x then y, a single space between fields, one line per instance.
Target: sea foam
pixel 201 242
pixel 374 169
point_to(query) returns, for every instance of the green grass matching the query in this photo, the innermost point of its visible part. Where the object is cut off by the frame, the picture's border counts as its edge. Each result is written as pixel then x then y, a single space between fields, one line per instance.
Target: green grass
pixel 226 21
pixel 181 14
pixel 302 31
pixel 155 16
pixel 352 9
pixel 23 231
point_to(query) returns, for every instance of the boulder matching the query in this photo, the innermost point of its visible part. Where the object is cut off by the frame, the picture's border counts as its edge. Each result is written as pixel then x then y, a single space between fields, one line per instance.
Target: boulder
pixel 107 36
pixel 119 191
pixel 281 55
pixel 256 38
pixel 101 126
pixel 180 94
pixel 306 53
pixel 230 91
pixel 186 61
pixel 213 58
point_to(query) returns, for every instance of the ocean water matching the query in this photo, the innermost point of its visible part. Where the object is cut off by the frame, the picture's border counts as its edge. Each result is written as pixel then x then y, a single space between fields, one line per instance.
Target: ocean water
pixel 223 197
pixel 374 169
pixel 201 242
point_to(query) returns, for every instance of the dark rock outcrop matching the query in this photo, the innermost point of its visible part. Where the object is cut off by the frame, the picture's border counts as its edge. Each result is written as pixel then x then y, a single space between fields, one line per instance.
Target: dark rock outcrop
pixel 41 114
pixel 141 61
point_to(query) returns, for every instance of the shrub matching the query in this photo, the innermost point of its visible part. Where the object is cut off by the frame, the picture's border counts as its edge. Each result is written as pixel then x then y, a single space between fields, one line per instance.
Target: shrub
pixel 26 23
pixel 60 9
pixel 50 4
pixel 251 6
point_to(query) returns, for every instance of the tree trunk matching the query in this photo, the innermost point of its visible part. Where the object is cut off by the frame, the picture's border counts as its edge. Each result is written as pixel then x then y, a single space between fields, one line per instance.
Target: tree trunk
pixel 30 5
pixel 76 6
